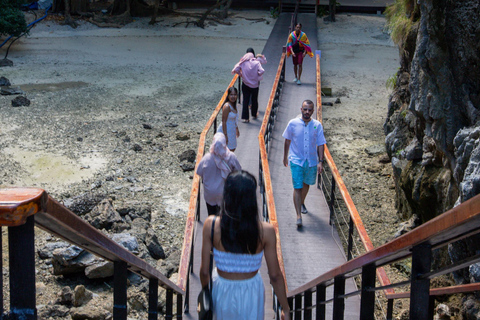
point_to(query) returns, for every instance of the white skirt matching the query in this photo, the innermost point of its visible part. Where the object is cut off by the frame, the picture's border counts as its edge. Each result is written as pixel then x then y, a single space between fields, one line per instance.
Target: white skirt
pixel 238 299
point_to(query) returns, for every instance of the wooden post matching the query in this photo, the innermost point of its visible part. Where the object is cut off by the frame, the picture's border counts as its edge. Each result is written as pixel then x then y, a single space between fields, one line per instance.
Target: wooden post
pixel 331 9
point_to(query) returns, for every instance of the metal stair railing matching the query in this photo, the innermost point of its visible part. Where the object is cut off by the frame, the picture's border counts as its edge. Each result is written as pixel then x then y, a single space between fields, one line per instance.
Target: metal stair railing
pixel 418 244
pixel 23 208
pixel 348 222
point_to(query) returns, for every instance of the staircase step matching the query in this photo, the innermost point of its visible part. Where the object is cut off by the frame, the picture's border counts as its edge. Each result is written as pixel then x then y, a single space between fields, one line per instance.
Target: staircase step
pixel 302 8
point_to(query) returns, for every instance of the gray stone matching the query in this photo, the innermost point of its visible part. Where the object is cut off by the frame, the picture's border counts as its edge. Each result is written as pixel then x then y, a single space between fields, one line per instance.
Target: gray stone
pixel 83 203
pixel 81 296
pixel 103 215
pixel 10 91
pixel 4 82
pixel 89 312
pixel 474 271
pixel 47 250
pixel 414 150
pixel 189 155
pixel 153 245
pixel 20 101
pixel 137 301
pixel 375 150
pixel 128 241
pixel 137 148
pixel 406 226
pixel 53 312
pixel 65 297
pixel 6 63
pixel 187 166
pixel 182 136
pixel 71 260
pixel 100 270
pixel 139 228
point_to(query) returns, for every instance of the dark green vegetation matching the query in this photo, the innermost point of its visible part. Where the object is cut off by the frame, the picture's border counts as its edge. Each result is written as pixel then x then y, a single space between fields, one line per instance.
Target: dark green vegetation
pixel 12 20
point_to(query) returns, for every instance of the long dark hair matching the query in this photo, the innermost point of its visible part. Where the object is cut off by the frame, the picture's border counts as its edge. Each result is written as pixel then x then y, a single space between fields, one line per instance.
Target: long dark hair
pixel 228 93
pixel 240 226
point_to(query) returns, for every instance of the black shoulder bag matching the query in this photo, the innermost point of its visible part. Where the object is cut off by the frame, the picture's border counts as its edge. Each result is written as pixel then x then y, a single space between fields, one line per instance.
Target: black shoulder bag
pixel 205 301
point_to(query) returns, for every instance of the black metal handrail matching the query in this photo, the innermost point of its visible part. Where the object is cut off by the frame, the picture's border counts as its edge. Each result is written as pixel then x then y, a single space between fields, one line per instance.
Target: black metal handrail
pixel 23 208
pixel 453 225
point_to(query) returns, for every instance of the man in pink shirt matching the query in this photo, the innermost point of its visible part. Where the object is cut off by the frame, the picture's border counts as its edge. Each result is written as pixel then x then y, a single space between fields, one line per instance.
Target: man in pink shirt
pixel 251 71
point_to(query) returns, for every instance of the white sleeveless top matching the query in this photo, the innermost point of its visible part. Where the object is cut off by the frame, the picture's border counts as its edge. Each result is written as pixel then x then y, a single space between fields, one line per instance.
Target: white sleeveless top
pixel 237 262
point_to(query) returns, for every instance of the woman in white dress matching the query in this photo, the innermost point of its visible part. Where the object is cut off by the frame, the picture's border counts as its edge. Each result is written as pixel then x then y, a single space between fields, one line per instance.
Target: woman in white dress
pixel 240 241
pixel 229 125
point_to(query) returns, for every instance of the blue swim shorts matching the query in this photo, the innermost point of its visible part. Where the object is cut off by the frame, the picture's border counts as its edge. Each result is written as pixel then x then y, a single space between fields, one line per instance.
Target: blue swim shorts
pixel 301 175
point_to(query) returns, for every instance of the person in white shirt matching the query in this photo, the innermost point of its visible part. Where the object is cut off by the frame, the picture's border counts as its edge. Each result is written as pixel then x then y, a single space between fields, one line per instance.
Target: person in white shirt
pixel 303 149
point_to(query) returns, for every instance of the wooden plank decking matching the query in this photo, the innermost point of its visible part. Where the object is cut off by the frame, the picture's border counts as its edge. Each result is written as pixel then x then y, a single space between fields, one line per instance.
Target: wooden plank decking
pixel 315 248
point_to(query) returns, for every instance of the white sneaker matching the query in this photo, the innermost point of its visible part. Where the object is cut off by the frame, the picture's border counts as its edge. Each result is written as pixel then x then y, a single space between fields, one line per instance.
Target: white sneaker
pixel 298 82
pixel 295 80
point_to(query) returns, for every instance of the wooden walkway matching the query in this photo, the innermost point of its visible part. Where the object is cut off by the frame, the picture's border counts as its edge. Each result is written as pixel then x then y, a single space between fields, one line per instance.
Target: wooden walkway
pixel 316 248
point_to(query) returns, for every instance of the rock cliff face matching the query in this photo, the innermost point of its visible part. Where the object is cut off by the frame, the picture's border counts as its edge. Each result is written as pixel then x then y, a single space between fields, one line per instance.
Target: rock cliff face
pixel 433 127
pixel 433 121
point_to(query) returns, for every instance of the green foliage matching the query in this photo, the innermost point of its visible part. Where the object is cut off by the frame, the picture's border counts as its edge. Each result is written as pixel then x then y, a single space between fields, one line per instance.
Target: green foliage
pixel 274 12
pixel 12 20
pixel 322 11
pixel 391 82
pixel 401 17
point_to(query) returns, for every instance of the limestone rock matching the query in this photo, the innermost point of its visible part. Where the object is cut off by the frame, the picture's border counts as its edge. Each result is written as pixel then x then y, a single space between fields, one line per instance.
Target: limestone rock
pixel 89 312
pixel 103 215
pixel 20 101
pixel 189 155
pixel 153 245
pixel 81 296
pixel 47 251
pixel 65 297
pixel 4 82
pixel 83 203
pixel 99 270
pixel 128 241
pixel 183 136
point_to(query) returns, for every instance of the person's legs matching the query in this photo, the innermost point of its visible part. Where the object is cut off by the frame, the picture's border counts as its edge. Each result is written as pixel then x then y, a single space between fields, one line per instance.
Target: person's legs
pixel 297 179
pixel 299 63
pixel 309 179
pixel 305 189
pixel 246 90
pixel 297 201
pixel 295 66
pixel 254 102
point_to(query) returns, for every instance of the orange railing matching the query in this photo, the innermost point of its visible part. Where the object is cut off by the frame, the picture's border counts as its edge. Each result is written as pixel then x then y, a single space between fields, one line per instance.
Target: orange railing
pixel 264 137
pixel 23 208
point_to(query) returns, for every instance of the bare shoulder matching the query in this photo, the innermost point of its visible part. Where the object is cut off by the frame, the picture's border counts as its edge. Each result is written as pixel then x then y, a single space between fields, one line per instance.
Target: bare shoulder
pixel 268 230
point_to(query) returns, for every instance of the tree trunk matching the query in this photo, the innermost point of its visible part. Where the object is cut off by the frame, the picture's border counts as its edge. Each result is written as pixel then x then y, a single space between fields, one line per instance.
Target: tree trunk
pixel 331 7
pixel 201 21
pixel 74 6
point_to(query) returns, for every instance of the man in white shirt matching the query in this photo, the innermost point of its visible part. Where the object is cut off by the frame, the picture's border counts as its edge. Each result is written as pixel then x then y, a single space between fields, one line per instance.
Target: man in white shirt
pixel 303 149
